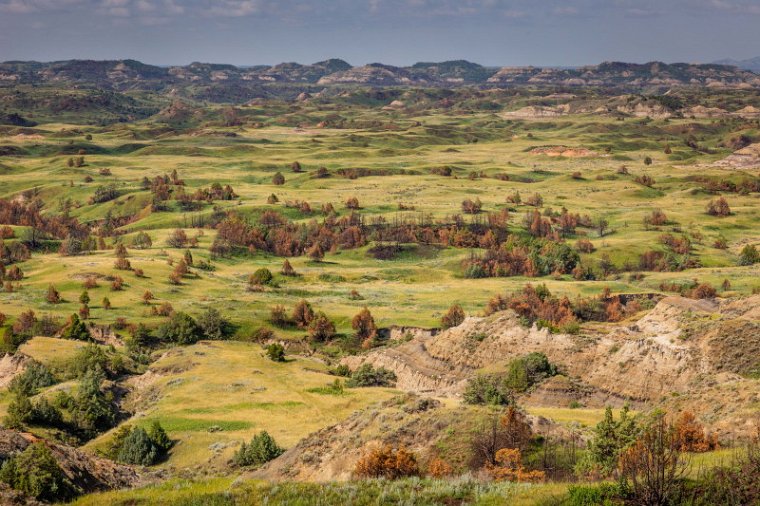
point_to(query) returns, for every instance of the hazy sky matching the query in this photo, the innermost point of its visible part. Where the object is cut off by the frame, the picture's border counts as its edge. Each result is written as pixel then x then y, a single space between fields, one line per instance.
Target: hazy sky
pixel 490 32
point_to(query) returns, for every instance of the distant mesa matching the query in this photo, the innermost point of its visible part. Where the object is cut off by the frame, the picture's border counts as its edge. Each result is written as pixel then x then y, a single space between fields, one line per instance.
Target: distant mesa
pixel 124 75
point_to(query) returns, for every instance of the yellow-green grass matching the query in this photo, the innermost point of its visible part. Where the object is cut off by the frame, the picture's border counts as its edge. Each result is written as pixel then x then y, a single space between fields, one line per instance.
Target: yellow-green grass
pixel 414 290
pixel 223 491
pixel 701 462
pixel 587 417
pixel 50 350
pixel 222 393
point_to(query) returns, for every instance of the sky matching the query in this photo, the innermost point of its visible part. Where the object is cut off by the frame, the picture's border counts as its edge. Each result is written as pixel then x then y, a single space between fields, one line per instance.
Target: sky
pixel 396 32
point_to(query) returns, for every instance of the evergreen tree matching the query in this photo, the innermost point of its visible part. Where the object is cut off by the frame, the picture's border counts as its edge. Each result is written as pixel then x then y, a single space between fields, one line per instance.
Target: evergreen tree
pixel 138 449
pixel 36 473
pixel 261 450
pixel 76 330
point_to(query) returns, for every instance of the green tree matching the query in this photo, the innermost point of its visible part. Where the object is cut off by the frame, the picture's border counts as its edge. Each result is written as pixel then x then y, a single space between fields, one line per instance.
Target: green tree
pixel 213 325
pixel 19 412
pixel 611 437
pixel 138 449
pixel 260 450
pixel 92 410
pixel 34 377
pixel 490 389
pixel 180 329
pixel 36 473
pixel 76 329
pixel 84 298
pixel 141 337
pixel 367 376
pixel 159 437
pixel 524 372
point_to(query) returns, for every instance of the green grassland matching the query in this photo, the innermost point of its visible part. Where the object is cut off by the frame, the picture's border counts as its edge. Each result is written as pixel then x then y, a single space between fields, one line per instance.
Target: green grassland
pixel 213 395
pixel 408 491
pixel 415 288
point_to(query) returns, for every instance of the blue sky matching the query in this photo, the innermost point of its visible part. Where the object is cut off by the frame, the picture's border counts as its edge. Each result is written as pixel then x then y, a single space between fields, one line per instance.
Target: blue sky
pixel 401 32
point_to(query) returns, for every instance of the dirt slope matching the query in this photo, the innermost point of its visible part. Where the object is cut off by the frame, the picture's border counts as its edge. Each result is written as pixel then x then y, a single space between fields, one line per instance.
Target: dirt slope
pixel 683 353
pixel 11 366
pixel 428 427
pixel 86 471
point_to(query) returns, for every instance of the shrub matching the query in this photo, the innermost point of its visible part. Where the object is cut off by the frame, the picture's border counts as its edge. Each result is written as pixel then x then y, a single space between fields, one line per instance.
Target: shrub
pixel 367 376
pixel 303 314
pixel 36 473
pixel 691 434
pixel 117 284
pixel 213 325
pixel 584 246
pixel 471 206
pixel 19 413
pixel 278 316
pixel 524 372
pixel 122 264
pixel 287 269
pixel 46 414
pixel 138 446
pixel 535 200
pixel 34 377
pixel 387 462
pixel 181 329
pixel 90 282
pixel 341 370
pixel 509 467
pixel 321 328
pixel 259 451
pixel 496 432
pixel 749 255
pixel 92 357
pixel 141 240
pixel 262 276
pixel 656 218
pixel 53 296
pixel 602 493
pixel 278 179
pixel 276 352
pixel 364 325
pixel 76 329
pixel 703 291
pixel 488 389
pixel 177 239
pixel 718 207
pixel 453 317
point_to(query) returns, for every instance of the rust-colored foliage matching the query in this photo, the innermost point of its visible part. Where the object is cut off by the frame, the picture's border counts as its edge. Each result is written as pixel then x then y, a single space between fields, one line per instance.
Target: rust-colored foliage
pixel 439 468
pixel 718 207
pixel 509 467
pixel 691 436
pixel 387 462
pixel 364 325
